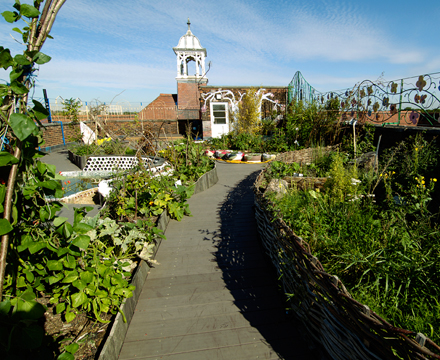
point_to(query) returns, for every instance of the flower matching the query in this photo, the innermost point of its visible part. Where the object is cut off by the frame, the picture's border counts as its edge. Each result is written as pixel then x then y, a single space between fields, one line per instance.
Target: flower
pixel 417 149
pixel 151 203
pixel 435 180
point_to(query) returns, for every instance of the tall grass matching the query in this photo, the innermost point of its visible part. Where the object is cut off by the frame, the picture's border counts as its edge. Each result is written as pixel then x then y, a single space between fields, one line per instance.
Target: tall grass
pixel 387 253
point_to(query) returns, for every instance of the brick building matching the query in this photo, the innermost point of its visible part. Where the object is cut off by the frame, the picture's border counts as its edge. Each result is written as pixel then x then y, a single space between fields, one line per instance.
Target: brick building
pixel 202 108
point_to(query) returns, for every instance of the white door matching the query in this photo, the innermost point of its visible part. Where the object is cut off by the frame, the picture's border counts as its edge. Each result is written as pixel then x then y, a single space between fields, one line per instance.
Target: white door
pixel 219 119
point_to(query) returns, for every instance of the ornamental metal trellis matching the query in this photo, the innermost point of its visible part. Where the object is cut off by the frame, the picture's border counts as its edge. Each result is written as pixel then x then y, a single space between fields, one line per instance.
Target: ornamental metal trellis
pixel 409 101
pixel 301 90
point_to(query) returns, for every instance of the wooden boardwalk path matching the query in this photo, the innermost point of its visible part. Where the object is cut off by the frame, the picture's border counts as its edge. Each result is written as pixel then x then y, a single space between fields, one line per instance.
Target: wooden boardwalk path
pixel 214 294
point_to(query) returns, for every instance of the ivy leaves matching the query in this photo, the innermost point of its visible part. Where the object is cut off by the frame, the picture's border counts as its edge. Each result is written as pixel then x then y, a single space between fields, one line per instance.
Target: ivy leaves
pixel 25 10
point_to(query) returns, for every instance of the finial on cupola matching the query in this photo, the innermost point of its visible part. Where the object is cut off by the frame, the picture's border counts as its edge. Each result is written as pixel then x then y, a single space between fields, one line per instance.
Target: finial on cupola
pixel 189 24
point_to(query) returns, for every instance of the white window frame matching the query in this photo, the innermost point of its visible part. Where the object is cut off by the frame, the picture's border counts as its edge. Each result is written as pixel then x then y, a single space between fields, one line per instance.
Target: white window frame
pixel 213 118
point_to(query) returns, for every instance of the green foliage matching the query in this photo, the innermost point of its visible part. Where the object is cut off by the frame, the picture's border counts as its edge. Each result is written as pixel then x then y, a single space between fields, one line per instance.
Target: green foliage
pixel 342 180
pixel 140 195
pixel 384 251
pixel 364 140
pixel 113 147
pixel 312 124
pixel 187 159
pixel 248 118
pixel 71 109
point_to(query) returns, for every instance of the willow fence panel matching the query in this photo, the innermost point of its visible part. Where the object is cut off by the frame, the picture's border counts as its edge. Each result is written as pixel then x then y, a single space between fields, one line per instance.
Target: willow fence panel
pixel 344 327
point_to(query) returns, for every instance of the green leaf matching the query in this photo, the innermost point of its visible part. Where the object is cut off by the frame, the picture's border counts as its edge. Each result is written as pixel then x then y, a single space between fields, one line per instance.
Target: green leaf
pixel 41 58
pixel 6 59
pixel 54 265
pixel 5 226
pixel 2 193
pixel 22 60
pixel 124 292
pixel 14 215
pixel 41 167
pixel 78 299
pixel 80 284
pixel 69 262
pixel 70 316
pixel 40 111
pixel 26 240
pixel 22 126
pixel 7 158
pixel 14 74
pixel 5 306
pixel 82 228
pixel 54 279
pixel 70 276
pixel 21 282
pixel 60 307
pixel 29 276
pixel 27 295
pixel 36 246
pixel 82 241
pixel 66 355
pixel 19 88
pixel 29 11
pixel 60 220
pixel 72 348
pixel 30 309
pixel 17 30
pixel 44 214
pixel 62 251
pixel 49 184
pixel 67 230
pixel 10 16
pixel 87 276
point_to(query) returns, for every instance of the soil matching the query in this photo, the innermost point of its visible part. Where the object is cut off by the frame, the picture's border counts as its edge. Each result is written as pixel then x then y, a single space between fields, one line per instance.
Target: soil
pixel 89 335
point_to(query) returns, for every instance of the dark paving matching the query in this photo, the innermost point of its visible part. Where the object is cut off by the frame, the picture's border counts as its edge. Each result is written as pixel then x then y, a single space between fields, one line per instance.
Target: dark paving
pixel 214 294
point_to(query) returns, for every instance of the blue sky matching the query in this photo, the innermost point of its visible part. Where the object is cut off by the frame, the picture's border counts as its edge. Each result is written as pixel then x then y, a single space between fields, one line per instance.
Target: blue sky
pixel 102 48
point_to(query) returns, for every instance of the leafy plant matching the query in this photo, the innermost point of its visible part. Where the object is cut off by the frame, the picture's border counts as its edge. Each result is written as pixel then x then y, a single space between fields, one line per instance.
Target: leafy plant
pixel 71 109
pixel 248 118
pixel 385 250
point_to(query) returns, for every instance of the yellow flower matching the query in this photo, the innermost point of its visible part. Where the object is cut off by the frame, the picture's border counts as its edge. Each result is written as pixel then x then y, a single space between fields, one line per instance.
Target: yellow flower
pixel 417 149
pixel 435 180
pixel 380 175
pixel 423 181
pixel 151 203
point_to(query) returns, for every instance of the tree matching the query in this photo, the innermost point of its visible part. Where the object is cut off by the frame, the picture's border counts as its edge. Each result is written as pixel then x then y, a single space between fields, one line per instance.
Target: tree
pixel 248 118
pixel 14 111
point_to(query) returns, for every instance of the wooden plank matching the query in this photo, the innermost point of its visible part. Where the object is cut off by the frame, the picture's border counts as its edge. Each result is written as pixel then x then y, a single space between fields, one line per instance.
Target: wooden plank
pixel 201 341
pixel 139 330
pixel 176 289
pixel 216 308
pixel 201 295
pixel 242 352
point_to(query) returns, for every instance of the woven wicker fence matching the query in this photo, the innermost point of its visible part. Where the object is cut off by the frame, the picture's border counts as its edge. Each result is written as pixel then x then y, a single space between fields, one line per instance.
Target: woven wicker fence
pixel 346 328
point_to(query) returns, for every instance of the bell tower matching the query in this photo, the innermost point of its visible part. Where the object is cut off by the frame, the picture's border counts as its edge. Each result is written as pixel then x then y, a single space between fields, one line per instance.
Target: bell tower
pixel 188 50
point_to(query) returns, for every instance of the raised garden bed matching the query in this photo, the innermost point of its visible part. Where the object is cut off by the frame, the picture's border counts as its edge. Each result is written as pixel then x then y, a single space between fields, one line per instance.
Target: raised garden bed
pixel 344 327
pixel 115 339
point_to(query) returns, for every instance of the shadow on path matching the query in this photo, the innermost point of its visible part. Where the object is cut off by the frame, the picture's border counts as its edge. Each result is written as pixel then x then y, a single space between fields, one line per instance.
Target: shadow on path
pixel 251 278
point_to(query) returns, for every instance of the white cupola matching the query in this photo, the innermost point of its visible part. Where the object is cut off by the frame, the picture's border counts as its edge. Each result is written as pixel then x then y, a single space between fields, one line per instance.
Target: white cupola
pixel 189 49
